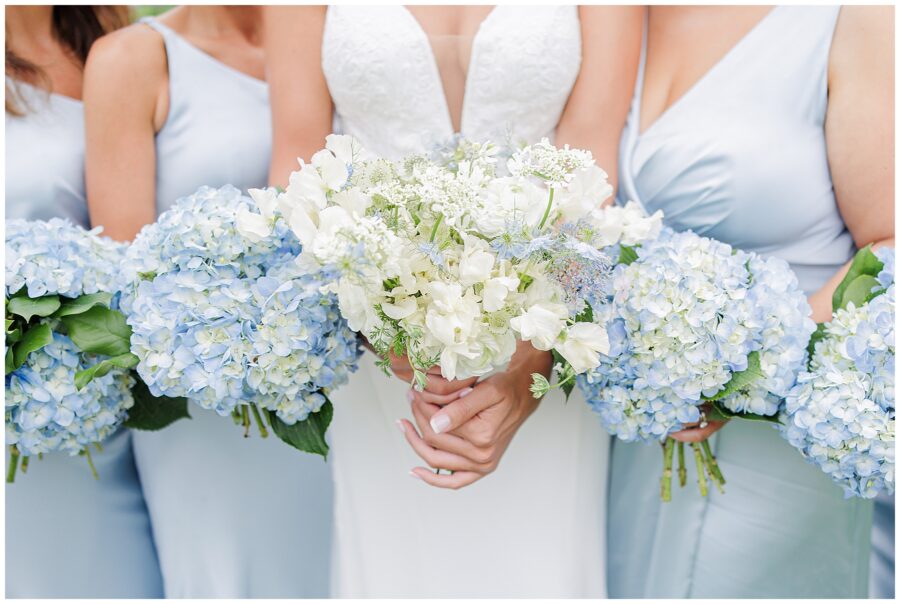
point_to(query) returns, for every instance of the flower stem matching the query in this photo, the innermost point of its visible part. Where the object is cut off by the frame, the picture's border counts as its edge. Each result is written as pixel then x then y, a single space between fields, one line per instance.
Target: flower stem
pixel 665 483
pixel 712 463
pixel 245 420
pixel 25 464
pixel 99 448
pixel 90 460
pixel 434 229
pixel 13 464
pixel 682 470
pixel 259 421
pixel 236 416
pixel 547 211
pixel 701 475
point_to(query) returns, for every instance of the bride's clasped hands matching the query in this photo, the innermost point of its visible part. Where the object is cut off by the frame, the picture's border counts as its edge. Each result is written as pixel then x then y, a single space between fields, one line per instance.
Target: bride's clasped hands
pixel 465 426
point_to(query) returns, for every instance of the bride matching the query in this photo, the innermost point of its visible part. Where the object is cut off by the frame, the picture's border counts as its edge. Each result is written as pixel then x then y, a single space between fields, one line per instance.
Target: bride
pixel 402 81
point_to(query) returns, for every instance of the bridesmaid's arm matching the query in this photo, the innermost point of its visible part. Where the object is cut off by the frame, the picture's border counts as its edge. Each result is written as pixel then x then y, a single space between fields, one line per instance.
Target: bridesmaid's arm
pixel 124 77
pixel 298 93
pixel 859 130
pixel 598 105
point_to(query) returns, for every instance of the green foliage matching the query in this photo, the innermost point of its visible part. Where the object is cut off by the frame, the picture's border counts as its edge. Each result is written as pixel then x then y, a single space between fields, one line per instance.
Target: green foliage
pixel 627 254
pixel 123 361
pixel 865 264
pixel 33 339
pixel 99 330
pixel 26 307
pixel 154 412
pixel 308 435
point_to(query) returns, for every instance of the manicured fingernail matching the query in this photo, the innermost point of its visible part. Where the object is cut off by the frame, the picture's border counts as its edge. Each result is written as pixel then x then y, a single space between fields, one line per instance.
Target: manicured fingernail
pixel 440 422
pixel 400 426
pixel 409 395
pixel 464 392
pixel 414 475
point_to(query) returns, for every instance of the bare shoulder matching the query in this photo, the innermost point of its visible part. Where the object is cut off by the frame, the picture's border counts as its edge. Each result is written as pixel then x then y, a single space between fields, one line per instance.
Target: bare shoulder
pixel 305 19
pixel 134 55
pixel 863 44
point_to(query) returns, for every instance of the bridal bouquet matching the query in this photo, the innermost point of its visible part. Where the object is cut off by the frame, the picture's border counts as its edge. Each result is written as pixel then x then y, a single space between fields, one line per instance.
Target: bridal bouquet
pixel 232 322
pixel 698 330
pixel 840 415
pixel 67 381
pixel 449 260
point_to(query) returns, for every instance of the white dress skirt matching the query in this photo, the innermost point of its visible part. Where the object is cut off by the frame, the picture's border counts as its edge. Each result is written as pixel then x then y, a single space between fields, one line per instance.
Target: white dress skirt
pixel 535 527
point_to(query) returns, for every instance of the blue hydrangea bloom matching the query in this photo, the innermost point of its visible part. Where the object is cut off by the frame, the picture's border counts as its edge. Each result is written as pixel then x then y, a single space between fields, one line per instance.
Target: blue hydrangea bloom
pixel 226 321
pixel 682 319
pixel 58 257
pixel 44 410
pixel 840 414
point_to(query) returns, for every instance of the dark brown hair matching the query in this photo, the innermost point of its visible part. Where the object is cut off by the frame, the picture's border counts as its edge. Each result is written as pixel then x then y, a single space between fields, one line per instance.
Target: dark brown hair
pixel 76 28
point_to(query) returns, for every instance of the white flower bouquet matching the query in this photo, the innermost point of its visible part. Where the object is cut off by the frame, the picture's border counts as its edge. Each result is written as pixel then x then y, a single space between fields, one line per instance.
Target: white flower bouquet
pixel 448 260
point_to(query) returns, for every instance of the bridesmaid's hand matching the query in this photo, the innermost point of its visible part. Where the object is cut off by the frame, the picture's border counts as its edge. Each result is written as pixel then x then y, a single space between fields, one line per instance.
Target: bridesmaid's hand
pixel 693 433
pixel 468 431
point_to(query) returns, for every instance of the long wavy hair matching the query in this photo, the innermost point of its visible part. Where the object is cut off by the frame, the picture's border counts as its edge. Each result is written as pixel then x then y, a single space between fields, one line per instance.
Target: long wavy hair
pixel 76 28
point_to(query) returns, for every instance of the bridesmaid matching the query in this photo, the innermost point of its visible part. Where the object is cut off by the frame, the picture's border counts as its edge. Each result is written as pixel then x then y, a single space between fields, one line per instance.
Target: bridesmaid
pixel 172 104
pixel 770 129
pixel 67 535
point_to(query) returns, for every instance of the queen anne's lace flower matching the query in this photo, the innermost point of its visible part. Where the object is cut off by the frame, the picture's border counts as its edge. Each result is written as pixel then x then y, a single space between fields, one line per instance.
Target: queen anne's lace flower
pixel 840 414
pixel 44 410
pixel 683 319
pixel 58 257
pixel 225 319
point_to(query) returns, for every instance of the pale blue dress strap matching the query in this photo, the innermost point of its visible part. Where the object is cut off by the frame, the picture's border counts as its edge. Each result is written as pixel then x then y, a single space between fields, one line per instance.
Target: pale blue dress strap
pixel 232 517
pixel 68 535
pixel 742 157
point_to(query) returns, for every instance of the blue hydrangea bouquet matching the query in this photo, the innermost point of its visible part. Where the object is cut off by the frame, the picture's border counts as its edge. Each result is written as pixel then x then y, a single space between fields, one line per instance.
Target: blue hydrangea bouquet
pixel 698 331
pixel 227 318
pixel 68 384
pixel 840 414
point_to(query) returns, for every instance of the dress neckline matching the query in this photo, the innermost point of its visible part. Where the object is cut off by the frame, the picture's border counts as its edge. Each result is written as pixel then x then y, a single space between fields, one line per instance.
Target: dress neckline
pixel 437 81
pixel 710 73
pixel 53 95
pixel 203 54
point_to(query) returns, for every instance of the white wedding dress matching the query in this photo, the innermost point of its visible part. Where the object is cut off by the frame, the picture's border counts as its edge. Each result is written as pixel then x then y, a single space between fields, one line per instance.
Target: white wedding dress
pixel 536 526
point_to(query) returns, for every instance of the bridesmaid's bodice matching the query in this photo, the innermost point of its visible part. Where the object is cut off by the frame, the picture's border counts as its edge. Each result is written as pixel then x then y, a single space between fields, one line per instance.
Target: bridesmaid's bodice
pixel 218 129
pixel 45 158
pixel 387 91
pixel 741 156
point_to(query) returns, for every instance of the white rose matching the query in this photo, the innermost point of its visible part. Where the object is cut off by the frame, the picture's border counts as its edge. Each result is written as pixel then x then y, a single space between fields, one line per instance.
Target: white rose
pixel 541 324
pixel 582 346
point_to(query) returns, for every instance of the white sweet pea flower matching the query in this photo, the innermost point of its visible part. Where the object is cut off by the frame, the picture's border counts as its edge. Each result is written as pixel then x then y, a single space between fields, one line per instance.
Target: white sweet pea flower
pixel 344 147
pixel 584 195
pixel 582 346
pixel 332 170
pixel 307 184
pixel 352 200
pixel 541 324
pixel 400 308
pixel 495 292
pixel 251 225
pixel 451 315
pixel 476 262
pixel 638 227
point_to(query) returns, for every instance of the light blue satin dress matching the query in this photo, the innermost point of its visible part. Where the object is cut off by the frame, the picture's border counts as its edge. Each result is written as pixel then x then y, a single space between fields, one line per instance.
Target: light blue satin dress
pixel 68 535
pixel 232 517
pixel 741 157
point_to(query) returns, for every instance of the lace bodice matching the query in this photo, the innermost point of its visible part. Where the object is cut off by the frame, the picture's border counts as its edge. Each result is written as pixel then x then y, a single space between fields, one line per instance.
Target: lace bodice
pixel 388 93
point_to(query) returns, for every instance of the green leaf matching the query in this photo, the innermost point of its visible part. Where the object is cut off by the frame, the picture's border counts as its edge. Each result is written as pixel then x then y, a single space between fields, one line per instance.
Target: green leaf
pixel 100 330
pixel 719 413
pixel 865 262
pixel 83 303
pixel 858 290
pixel 26 307
pixel 815 338
pixel 123 361
pixel 154 412
pixel 12 335
pixel 10 362
pixel 34 339
pixel 308 435
pixel 741 379
pixel 627 254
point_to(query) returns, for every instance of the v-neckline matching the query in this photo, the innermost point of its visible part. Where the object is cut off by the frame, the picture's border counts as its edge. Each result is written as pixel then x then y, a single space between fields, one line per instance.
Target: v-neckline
pixel 691 90
pixel 436 72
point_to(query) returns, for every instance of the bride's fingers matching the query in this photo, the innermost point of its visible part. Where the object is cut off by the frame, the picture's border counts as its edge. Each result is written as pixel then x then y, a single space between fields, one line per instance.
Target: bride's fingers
pixel 697 434
pixel 485 458
pixel 435 384
pixel 457 480
pixel 440 399
pixel 435 457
